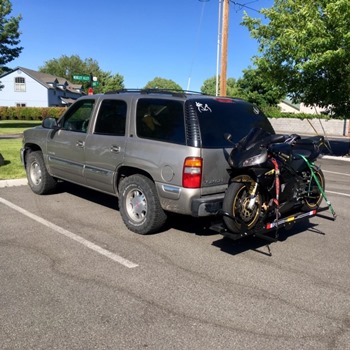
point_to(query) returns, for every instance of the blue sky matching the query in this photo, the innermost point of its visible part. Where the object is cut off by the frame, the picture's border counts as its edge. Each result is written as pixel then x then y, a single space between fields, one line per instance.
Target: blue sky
pixel 139 39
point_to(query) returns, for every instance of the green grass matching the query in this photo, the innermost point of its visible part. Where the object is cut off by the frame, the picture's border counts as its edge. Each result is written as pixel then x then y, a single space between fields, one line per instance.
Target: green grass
pixel 13 168
pixel 17 126
pixel 10 148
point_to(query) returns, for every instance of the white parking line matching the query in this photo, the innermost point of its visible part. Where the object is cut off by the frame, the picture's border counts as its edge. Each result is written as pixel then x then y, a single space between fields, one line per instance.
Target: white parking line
pixel 71 235
pixel 339 193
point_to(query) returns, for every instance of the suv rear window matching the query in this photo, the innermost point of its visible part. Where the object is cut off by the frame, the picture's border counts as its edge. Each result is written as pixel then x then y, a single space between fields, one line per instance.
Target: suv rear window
pixel 160 119
pixel 111 118
pixel 219 116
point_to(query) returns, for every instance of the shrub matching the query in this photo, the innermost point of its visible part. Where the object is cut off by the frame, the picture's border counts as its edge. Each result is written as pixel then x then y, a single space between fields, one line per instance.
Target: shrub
pixel 30 113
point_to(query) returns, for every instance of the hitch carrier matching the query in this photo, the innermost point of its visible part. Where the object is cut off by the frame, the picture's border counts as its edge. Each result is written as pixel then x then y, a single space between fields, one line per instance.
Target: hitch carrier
pixel 266 228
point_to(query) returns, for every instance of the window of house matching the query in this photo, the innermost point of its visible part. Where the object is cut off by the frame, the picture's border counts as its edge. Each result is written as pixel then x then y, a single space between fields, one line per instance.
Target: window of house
pixel 20 84
pixel 18 104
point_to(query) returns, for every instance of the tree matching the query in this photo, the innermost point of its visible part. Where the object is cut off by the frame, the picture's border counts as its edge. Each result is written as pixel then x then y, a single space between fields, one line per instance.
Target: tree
pixel 66 67
pixel 161 83
pixel 256 88
pixel 305 50
pixel 110 82
pixel 209 87
pixel 9 35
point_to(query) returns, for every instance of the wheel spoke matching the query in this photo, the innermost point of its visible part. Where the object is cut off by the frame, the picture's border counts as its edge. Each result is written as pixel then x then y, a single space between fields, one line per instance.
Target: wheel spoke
pixel 136 205
pixel 139 205
pixel 245 211
pixel 35 173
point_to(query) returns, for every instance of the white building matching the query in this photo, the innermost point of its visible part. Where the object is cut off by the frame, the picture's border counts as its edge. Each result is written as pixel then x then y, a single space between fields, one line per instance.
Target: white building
pixel 288 107
pixel 28 88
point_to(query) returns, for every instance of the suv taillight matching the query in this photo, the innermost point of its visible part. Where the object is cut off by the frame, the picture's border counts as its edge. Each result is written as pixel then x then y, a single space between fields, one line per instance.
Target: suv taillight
pixel 192 172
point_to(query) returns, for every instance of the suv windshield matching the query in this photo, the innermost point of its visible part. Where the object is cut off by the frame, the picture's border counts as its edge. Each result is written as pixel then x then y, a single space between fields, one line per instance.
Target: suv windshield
pixel 224 115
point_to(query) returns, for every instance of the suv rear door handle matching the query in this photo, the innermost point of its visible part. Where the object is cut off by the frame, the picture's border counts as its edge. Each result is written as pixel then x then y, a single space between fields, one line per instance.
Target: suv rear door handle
pixel 115 149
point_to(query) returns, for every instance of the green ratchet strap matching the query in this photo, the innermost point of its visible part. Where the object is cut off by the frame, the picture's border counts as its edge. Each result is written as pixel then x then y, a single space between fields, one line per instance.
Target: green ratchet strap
pixel 311 167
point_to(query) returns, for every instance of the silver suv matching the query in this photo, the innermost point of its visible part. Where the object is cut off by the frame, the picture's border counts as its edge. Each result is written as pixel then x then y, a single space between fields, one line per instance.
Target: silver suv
pixel 157 151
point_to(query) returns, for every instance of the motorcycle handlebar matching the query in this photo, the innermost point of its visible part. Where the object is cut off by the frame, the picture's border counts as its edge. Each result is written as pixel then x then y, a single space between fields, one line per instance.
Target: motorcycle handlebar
pixel 290 139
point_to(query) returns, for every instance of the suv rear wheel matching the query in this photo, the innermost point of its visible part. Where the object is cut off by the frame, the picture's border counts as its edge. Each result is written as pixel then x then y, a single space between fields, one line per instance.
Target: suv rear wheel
pixel 139 205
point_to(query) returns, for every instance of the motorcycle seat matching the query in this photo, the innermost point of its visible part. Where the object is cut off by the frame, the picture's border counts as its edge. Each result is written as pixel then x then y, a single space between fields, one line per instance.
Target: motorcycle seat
pixel 314 141
pixel 277 138
pixel 308 147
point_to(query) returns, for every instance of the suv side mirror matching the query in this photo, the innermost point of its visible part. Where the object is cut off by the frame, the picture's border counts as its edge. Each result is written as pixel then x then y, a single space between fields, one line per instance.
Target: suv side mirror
pixel 49 123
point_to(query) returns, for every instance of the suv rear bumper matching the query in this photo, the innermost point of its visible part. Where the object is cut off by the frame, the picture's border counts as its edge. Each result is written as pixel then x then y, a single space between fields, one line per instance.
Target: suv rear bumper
pixel 208 205
pixel 188 201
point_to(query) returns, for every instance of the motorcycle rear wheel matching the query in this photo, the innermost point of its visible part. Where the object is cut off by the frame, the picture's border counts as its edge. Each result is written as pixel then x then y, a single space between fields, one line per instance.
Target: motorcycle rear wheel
pixel 237 203
pixel 314 199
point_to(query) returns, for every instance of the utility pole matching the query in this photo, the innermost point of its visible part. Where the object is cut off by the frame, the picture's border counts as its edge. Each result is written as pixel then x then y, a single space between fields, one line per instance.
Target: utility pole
pixel 223 73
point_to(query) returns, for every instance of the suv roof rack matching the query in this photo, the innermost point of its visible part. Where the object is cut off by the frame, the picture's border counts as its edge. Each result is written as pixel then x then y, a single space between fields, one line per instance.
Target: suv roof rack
pixel 172 92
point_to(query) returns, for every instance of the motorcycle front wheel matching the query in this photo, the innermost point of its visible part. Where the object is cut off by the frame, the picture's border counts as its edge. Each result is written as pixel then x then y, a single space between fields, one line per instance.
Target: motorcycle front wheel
pixel 243 209
pixel 314 197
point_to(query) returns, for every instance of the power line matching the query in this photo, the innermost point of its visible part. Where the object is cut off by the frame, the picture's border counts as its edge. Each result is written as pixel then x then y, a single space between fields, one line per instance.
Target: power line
pixel 239 4
pixel 245 5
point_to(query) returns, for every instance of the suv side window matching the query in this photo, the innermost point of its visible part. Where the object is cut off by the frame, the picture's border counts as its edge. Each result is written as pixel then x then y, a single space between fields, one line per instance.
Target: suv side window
pixel 78 116
pixel 111 118
pixel 160 119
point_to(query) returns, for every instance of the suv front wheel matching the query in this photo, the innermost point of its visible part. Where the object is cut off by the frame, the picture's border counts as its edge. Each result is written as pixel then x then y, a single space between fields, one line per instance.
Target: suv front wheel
pixel 39 179
pixel 139 205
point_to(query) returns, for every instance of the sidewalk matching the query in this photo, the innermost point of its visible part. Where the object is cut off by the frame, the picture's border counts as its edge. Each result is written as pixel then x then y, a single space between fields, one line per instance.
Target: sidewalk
pixel 342 158
pixel 10 136
pixel 14 182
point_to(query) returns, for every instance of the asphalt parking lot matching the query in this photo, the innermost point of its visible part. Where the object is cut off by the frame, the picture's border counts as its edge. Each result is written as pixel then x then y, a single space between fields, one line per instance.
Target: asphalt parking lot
pixel 73 277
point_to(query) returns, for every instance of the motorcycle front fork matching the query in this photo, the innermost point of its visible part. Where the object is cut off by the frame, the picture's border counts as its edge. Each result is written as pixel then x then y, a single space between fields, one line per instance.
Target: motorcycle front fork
pixel 252 194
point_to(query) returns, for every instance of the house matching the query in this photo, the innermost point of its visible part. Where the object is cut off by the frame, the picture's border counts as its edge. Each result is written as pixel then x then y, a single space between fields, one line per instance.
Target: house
pixel 288 106
pixel 24 87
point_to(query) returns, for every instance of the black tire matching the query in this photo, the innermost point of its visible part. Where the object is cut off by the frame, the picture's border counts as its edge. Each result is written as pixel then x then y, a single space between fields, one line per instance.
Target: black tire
pixel 236 204
pixel 139 205
pixel 314 200
pixel 39 180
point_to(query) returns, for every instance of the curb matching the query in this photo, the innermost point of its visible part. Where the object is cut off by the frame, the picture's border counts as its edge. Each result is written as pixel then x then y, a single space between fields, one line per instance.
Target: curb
pixel 13 182
pixel 343 158
pixel 10 136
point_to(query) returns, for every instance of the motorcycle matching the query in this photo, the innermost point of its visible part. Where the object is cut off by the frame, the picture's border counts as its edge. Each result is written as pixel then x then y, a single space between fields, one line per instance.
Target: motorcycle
pixel 273 182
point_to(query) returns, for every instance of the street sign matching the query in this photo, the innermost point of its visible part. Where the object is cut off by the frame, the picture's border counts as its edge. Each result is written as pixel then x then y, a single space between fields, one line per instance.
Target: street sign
pixel 95 83
pixel 83 77
pixel 90 91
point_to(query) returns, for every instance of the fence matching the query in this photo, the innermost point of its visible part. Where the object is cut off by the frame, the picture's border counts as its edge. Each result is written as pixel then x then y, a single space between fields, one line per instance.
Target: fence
pixel 331 127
